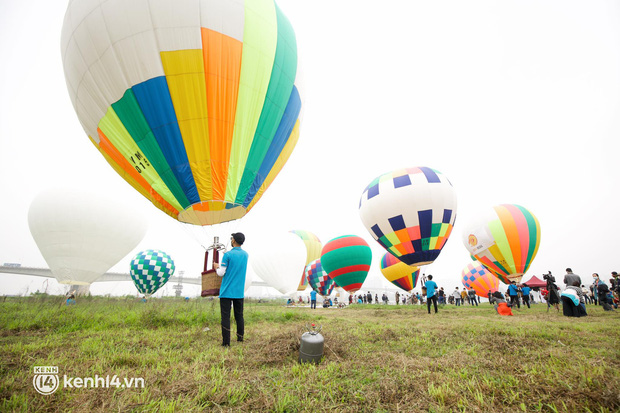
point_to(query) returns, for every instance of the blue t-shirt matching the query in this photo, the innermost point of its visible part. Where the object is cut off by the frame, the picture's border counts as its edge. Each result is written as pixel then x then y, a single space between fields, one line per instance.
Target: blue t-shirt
pixel 236 263
pixel 313 295
pixel 525 291
pixel 512 290
pixel 431 286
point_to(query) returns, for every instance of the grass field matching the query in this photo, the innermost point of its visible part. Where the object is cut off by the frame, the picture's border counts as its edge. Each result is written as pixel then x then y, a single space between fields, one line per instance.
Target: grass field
pixel 377 358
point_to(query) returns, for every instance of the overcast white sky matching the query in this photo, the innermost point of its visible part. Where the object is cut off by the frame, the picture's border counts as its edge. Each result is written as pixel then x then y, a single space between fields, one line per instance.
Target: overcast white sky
pixel 515 101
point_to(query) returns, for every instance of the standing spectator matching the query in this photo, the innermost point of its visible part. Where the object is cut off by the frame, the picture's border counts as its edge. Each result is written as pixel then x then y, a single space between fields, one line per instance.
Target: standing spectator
pixel 603 291
pixel 570 278
pixel 233 270
pixel 586 294
pixel 594 288
pixel 431 287
pixel 457 296
pixel 553 297
pixel 615 282
pixel 442 296
pixel 376 299
pixel 525 292
pixel 472 297
pixel 513 292
pixel 350 299
pixel 489 295
pixel 463 296
pixel 397 297
pixel 369 297
pixel 313 299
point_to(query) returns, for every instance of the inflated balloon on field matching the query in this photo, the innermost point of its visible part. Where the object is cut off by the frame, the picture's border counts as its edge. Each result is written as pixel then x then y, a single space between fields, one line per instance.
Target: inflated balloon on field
pixel 150 270
pixel 82 235
pixel 410 212
pixel 318 278
pixel 347 261
pixel 398 273
pixel 194 103
pixel 313 251
pixel 505 240
pixel 476 276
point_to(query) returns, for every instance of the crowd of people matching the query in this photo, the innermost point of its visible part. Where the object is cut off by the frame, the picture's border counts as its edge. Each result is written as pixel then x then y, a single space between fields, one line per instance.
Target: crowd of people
pixel 572 299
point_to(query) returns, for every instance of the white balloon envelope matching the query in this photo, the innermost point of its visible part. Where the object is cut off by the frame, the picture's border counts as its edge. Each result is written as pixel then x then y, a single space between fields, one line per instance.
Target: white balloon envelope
pixel 83 235
pixel 277 261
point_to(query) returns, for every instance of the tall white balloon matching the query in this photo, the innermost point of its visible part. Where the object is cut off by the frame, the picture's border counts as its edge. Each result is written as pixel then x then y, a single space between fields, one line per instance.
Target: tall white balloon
pixel 277 261
pixel 83 235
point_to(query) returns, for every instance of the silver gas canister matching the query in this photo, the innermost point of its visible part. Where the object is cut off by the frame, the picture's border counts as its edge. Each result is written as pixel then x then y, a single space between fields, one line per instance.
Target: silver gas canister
pixel 311 348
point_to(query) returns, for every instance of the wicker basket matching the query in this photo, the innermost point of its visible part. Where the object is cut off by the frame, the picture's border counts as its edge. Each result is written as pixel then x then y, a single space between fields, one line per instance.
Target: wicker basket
pixel 211 283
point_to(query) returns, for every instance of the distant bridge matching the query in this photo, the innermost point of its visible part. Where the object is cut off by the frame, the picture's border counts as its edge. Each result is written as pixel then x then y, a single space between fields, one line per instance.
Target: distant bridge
pixel 107 277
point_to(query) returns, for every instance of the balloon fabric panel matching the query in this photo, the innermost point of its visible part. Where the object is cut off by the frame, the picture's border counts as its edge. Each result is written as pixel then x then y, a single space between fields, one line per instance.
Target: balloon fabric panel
pixel 259 49
pixel 280 140
pixel 185 81
pixel 222 62
pixel 130 115
pixel 275 103
pixel 129 173
pixel 287 150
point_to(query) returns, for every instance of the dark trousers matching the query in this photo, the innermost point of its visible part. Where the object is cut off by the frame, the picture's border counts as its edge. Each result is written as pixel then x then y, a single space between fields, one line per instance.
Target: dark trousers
pixel 313 304
pixel 237 304
pixel 526 300
pixel 515 299
pixel 428 303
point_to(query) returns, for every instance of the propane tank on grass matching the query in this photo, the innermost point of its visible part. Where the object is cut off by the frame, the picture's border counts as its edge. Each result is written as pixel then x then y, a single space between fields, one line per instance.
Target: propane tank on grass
pixel 311 347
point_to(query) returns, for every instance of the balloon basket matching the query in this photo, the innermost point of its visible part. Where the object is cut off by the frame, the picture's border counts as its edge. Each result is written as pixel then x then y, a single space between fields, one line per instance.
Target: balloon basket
pixel 211 283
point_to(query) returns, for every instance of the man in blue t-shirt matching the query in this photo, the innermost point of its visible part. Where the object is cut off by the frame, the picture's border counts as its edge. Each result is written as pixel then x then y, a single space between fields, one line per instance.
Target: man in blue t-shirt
pixel 525 293
pixel 233 269
pixel 513 291
pixel 313 299
pixel 431 287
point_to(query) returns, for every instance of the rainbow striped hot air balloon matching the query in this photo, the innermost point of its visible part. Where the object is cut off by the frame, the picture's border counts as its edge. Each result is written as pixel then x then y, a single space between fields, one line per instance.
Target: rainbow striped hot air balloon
pixel 476 276
pixel 410 212
pixel 399 273
pixel 505 240
pixel 318 278
pixel 347 261
pixel 192 102
pixel 313 251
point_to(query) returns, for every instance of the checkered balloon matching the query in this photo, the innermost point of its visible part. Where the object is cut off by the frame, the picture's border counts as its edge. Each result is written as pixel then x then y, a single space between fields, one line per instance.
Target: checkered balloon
pixel 318 278
pixel 476 276
pixel 410 212
pixel 150 270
